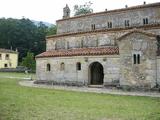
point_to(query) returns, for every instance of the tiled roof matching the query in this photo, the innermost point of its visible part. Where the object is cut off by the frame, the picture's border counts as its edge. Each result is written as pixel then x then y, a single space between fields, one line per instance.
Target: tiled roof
pixel 116 10
pixel 81 52
pixel 7 51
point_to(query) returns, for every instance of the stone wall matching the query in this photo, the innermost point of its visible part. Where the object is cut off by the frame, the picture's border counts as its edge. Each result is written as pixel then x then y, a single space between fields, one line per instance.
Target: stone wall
pixel 135 17
pixel 158 70
pixel 81 41
pixel 71 75
pixel 144 73
pixel 90 39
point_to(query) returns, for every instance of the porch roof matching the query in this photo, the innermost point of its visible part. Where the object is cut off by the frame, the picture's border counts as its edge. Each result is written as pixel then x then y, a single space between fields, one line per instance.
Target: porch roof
pixel 114 50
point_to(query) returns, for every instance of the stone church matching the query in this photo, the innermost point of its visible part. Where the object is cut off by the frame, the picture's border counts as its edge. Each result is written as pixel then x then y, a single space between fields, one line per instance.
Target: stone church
pixel 110 48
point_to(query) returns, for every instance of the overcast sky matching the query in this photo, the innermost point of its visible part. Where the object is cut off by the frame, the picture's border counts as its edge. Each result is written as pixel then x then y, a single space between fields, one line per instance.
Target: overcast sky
pixel 52 10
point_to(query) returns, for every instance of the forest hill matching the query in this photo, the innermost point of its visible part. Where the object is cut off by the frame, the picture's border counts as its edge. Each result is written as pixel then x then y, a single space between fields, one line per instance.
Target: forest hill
pixel 24 35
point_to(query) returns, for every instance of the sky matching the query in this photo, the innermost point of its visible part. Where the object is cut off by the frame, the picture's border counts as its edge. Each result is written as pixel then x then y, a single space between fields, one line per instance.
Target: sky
pixel 52 10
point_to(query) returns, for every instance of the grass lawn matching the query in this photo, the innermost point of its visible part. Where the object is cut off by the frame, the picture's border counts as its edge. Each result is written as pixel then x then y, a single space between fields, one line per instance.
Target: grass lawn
pixel 24 103
pixel 16 75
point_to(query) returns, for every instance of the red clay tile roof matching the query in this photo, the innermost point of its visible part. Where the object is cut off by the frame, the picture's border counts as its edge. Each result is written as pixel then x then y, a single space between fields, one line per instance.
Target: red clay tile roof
pixel 80 52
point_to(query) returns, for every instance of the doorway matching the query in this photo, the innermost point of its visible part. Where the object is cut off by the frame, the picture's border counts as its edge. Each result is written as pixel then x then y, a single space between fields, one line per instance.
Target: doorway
pixel 96 73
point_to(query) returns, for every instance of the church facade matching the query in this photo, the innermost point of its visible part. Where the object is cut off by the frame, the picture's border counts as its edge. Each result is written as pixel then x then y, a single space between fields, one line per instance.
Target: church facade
pixel 110 48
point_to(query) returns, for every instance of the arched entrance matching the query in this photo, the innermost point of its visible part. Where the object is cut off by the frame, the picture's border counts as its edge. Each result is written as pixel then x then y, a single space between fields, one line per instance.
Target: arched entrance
pixel 96 74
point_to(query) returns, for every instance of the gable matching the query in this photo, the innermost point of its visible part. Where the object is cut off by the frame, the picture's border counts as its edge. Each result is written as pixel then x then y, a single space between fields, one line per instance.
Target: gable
pixel 139 32
pixel 137 41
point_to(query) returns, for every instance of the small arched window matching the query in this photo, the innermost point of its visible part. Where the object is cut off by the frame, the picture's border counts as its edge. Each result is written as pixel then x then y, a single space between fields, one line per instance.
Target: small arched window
pixel 48 67
pixel 78 66
pixel 145 21
pixel 93 27
pixel 109 24
pixel 136 58
pixel 62 66
pixel 126 23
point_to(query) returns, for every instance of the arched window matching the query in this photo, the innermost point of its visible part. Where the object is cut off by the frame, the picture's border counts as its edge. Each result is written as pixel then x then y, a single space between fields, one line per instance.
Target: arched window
pixel 78 66
pixel 136 58
pixel 62 66
pixel 93 27
pixel 145 21
pixel 109 24
pixel 126 23
pixel 48 67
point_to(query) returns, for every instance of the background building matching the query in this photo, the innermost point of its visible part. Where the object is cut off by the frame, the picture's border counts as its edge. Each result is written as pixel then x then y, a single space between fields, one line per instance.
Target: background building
pixel 8 58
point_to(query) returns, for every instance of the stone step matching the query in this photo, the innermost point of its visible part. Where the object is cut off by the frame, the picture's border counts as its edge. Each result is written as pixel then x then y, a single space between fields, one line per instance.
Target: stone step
pixel 95 86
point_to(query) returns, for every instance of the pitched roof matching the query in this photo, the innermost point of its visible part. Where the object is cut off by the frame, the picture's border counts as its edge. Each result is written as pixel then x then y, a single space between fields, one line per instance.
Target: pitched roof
pixel 7 51
pixel 138 31
pixel 114 50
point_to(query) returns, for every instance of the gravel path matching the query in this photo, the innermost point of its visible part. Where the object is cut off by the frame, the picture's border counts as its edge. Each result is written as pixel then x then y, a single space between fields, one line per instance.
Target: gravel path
pixel 11 77
pixel 93 90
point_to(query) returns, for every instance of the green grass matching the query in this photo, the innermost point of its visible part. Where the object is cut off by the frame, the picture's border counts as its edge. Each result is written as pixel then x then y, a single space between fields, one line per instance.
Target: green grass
pixel 24 103
pixel 14 74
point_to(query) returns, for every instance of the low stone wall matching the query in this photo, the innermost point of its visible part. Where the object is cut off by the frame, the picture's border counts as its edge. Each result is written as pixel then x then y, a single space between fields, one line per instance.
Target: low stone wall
pixel 11 70
pixel 66 83
pixel 137 88
pixel 114 83
pixel 105 86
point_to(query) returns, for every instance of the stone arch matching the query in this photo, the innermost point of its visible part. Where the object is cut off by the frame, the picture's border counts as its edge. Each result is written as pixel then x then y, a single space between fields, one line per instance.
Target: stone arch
pixel 96 74
pixel 62 66
pixel 48 67
pixel 78 66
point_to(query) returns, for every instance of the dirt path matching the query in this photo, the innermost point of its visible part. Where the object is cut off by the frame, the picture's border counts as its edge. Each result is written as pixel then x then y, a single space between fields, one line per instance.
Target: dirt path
pixel 93 90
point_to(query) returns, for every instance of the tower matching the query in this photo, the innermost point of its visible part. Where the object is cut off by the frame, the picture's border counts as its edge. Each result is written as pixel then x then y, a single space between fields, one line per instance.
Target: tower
pixel 66 12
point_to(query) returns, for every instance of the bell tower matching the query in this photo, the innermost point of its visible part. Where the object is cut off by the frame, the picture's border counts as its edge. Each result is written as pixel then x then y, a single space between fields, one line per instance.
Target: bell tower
pixel 66 12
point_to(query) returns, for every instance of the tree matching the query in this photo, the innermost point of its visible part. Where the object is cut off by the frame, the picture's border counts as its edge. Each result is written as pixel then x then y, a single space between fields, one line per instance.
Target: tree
pixel 39 43
pixel 22 34
pixel 29 61
pixel 52 30
pixel 83 9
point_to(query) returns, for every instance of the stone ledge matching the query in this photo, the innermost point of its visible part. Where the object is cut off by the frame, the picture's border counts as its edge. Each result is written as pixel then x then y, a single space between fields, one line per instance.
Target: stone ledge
pixel 66 83
pixel 107 85
pixel 91 90
pixel 138 88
